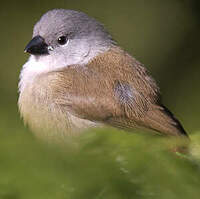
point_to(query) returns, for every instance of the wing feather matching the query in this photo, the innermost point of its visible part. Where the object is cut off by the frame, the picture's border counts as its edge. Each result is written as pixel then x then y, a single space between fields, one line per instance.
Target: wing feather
pixel 113 89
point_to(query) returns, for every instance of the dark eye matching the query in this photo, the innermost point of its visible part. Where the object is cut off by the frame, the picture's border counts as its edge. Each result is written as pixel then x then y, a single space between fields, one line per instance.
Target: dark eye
pixel 62 40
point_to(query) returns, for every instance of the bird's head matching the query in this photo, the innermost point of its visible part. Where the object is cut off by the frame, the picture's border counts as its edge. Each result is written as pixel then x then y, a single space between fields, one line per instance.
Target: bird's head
pixel 66 37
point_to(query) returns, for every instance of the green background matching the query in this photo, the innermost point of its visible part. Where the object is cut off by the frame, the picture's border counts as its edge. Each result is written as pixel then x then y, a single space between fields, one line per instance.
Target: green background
pixel 164 36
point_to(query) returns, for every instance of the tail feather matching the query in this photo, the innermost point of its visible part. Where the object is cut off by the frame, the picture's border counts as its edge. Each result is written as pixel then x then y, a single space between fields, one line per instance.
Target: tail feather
pixel 162 120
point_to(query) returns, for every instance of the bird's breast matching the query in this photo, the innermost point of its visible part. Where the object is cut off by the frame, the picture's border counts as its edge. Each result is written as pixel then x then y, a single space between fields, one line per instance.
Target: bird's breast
pixel 45 117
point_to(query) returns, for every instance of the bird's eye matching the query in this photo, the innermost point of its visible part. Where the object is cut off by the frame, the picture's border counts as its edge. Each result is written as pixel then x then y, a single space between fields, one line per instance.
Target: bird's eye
pixel 62 40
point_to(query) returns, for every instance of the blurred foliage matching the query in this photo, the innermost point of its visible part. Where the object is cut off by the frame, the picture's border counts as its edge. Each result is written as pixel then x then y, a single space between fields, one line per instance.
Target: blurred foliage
pixel 164 35
pixel 103 164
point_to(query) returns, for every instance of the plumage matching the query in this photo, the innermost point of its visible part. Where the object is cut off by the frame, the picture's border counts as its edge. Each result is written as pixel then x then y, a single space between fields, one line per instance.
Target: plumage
pixel 86 81
pixel 89 96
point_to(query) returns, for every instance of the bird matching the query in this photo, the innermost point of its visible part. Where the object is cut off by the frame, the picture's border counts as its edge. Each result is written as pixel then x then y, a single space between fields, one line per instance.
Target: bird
pixel 77 78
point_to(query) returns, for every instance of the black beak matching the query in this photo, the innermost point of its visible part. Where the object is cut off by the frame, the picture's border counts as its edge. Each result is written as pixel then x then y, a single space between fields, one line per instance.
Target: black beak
pixel 37 46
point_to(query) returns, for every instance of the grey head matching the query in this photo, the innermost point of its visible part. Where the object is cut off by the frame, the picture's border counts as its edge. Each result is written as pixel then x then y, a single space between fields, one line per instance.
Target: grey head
pixel 66 37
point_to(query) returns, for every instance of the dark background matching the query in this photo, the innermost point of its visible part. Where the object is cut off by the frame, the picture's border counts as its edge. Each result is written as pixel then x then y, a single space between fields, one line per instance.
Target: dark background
pixel 165 37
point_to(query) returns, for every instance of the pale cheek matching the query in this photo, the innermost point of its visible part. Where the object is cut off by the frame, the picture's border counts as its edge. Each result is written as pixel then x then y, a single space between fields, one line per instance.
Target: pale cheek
pixel 66 56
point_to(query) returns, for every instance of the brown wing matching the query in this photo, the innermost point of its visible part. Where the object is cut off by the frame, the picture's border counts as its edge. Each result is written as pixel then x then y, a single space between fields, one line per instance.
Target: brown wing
pixel 114 88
